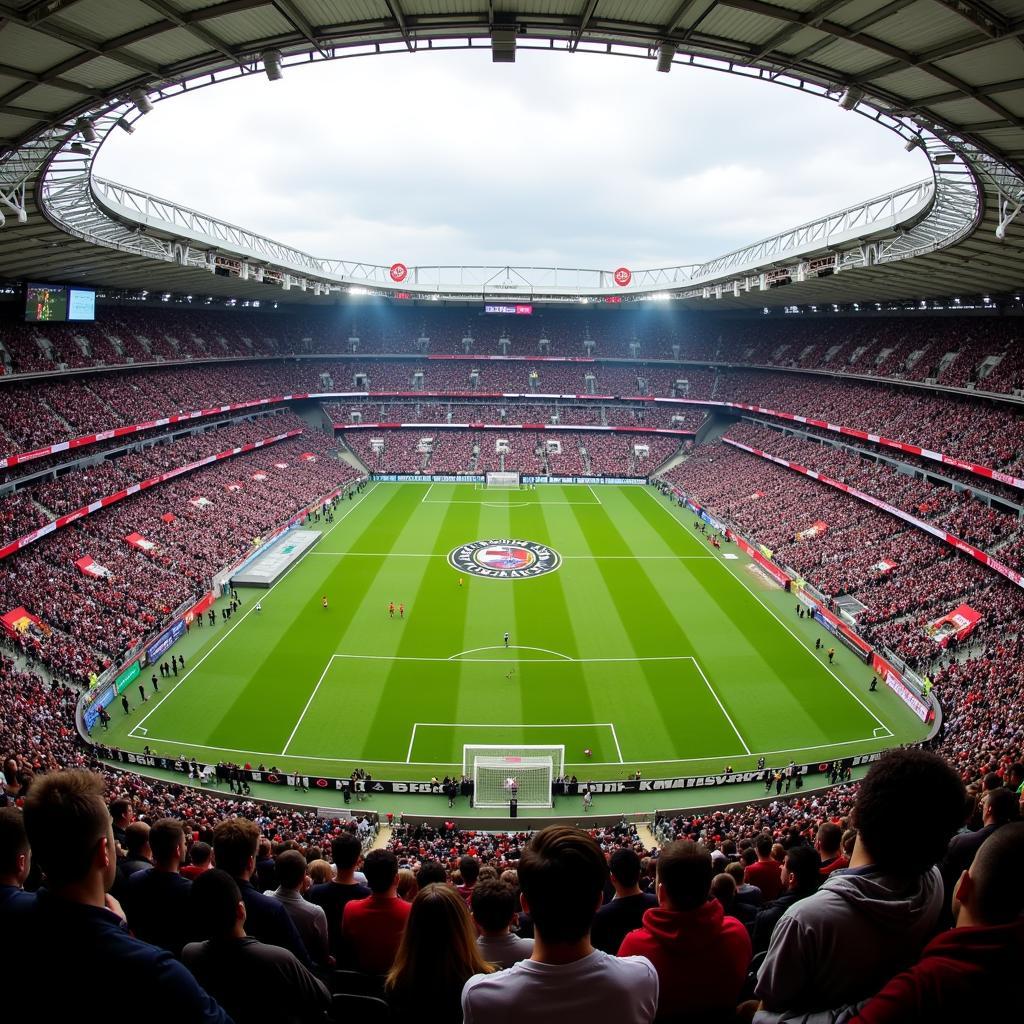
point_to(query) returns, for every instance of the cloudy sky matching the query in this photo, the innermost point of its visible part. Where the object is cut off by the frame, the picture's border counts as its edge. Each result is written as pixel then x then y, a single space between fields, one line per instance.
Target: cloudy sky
pixel 446 158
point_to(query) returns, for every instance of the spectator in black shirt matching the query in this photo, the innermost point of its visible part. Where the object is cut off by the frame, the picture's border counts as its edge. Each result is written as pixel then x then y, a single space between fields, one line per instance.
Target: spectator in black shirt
pixel 347 851
pixel 626 910
pixel 255 982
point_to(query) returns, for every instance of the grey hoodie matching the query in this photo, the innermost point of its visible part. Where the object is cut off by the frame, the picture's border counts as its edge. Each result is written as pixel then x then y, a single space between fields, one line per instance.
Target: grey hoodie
pixel 846 941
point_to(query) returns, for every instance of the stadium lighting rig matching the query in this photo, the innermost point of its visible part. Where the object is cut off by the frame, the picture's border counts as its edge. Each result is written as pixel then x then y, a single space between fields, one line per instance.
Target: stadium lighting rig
pixel 85 128
pixel 141 101
pixel 272 65
pixel 850 97
pixel 666 54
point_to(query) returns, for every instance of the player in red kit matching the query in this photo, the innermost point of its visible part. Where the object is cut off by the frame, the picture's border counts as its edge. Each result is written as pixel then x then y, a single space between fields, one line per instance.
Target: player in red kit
pixel 391 609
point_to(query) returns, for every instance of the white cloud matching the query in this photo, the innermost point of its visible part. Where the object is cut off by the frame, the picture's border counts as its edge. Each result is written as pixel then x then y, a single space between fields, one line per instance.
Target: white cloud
pixel 445 158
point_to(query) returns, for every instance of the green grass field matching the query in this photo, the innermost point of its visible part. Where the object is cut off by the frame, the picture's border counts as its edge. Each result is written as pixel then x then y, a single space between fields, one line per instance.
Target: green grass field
pixel 644 645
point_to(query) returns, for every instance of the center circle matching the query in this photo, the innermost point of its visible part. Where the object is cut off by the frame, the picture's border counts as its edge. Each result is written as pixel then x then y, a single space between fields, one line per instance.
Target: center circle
pixel 506 559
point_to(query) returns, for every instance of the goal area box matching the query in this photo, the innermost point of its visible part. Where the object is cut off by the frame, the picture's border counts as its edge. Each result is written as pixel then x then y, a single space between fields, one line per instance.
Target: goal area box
pixel 509 481
pixel 503 773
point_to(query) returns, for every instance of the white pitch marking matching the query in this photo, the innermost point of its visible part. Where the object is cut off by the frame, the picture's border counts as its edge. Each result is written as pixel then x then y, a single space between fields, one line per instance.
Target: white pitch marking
pixel 246 614
pixel 596 496
pixel 423 500
pixel 590 558
pixel 615 739
pixel 412 740
pixel 330 661
pixel 510 647
pixel 771 611
pixel 721 706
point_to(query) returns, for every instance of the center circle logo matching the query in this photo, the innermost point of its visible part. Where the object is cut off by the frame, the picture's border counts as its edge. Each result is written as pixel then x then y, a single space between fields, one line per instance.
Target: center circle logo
pixel 504 559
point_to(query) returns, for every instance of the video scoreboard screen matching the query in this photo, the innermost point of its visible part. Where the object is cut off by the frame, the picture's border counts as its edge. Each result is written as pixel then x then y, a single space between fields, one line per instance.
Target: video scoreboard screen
pixel 56 303
pixel 510 309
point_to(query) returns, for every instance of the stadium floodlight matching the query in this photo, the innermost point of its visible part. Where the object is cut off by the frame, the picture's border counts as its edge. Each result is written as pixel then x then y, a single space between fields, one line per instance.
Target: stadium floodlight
pixel 85 128
pixel 944 158
pixel 141 101
pixel 272 64
pixel 503 44
pixel 913 143
pixel 850 97
pixel 81 149
pixel 125 126
pixel 666 54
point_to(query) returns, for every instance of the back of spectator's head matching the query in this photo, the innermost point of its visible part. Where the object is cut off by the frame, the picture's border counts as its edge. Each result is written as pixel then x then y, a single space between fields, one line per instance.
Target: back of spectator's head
pixel 69 828
pixel 561 875
pixel 908 807
pixel 723 889
pixel 684 875
pixel 748 856
pixel 493 904
pixel 431 872
pixel 408 886
pixel 216 904
pixel 1015 775
pixel 15 853
pixel 992 890
pixel 511 878
pixel 136 839
pixel 381 869
pixel 624 865
pixel 802 869
pixel 265 849
pixel 199 854
pixel 735 872
pixel 167 841
pixel 320 871
pixel 1001 806
pixel 763 845
pixel 235 842
pixel 346 850
pixel 830 837
pixel 469 868
pixel 990 782
pixel 121 811
pixel 290 869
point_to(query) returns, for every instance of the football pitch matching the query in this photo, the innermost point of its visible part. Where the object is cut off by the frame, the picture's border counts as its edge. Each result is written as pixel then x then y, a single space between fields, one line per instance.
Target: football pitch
pixel 628 636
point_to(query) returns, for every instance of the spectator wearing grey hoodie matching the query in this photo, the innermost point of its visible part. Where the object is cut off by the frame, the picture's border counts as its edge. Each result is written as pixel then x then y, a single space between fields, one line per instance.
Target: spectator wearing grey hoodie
pixel 872 919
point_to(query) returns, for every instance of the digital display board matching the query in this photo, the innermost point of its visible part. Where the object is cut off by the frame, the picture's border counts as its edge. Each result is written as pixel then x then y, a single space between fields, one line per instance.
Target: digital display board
pixel 56 303
pixel 46 302
pixel 517 309
pixel 81 304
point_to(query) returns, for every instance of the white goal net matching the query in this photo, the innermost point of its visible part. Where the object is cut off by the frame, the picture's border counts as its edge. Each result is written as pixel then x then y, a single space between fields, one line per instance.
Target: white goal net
pixel 508 480
pixel 501 774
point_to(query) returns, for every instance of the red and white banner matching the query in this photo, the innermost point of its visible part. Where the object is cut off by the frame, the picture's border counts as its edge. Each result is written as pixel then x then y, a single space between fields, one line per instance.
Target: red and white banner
pixel 959 623
pixel 816 529
pixel 200 502
pixel 138 541
pixel 894 680
pixel 513 426
pixel 259 476
pixel 88 567
pixel 281 465
pixel 308 457
pixel 961 545
pixel 18 621
pixel 884 566
pixel 234 486
pixel 168 517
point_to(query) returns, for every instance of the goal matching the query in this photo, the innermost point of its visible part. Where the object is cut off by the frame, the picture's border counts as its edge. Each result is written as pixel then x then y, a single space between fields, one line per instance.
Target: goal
pixel 503 773
pixel 507 480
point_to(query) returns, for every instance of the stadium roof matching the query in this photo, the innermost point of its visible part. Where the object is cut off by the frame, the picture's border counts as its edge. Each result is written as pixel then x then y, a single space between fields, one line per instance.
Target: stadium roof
pixel 947 75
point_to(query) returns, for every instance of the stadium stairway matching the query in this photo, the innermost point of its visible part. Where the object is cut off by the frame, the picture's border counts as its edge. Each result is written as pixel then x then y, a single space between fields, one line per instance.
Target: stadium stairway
pixel 382 838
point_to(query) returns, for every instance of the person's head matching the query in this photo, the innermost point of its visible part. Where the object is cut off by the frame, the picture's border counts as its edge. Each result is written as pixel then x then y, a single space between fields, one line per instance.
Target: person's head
pixel 624 866
pixel 561 877
pixel 909 805
pixel 70 830
pixel 469 868
pixel 381 870
pixel 136 841
pixel 991 891
pixel 748 856
pixel 801 870
pixel 265 849
pixel 511 878
pixel 999 806
pixel 438 952
pixel 684 875
pixel 494 906
pixel 431 872
pixel 121 812
pixel 763 845
pixel 990 782
pixel 320 871
pixel 346 850
pixel 723 889
pixel 217 907
pixel 1015 776
pixel 167 841
pixel 407 884
pixel 828 840
pixel 235 842
pixel 735 872
pixel 290 869
pixel 200 855
pixel 15 853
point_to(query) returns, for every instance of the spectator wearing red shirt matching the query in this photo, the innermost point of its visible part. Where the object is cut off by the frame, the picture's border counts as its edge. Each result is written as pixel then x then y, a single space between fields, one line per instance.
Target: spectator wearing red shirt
pixel 371 929
pixel 766 874
pixel 469 868
pixel 829 844
pixel 701 955
pixel 200 859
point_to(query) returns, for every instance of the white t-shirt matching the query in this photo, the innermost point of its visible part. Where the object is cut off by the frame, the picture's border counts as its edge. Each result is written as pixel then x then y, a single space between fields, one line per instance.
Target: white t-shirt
pixel 599 989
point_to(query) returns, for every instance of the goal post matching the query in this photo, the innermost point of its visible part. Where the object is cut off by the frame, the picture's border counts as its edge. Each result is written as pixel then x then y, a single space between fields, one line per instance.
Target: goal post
pixel 503 773
pixel 507 480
